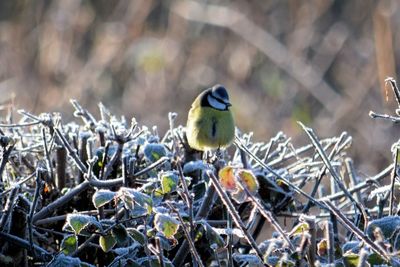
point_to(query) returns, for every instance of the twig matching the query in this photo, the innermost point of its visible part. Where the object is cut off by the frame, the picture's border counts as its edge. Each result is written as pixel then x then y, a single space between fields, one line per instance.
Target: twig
pixel 332 171
pixel 71 151
pixel 49 209
pixel 59 218
pixel 87 118
pixel 395 89
pixel 187 235
pixel 119 181
pixel 160 251
pixel 330 240
pixel 188 200
pixel 394 175
pixel 351 227
pixel 21 181
pixel 353 178
pixel 321 174
pixel 267 215
pixel 61 166
pixel 39 185
pixel 47 155
pixel 202 213
pixel 8 207
pixel 362 185
pixel 235 216
pixel 4 159
pixel 374 115
pixel 276 187
pixel 39 252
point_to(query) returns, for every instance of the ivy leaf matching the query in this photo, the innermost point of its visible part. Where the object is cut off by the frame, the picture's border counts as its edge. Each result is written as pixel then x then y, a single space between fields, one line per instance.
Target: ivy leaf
pixel 107 242
pixel 166 224
pixel 169 182
pixel 102 197
pixel 69 244
pixel 227 178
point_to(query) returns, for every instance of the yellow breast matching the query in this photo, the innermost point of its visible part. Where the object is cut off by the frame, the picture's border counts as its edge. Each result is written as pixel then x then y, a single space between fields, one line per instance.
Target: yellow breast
pixel 208 128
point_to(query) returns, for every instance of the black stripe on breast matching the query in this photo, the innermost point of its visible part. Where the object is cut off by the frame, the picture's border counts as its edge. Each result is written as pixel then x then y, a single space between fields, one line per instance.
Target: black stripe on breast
pixel 214 127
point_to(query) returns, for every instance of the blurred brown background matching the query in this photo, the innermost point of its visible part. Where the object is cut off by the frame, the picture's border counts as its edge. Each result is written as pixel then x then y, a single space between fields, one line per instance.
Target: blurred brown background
pixel 321 62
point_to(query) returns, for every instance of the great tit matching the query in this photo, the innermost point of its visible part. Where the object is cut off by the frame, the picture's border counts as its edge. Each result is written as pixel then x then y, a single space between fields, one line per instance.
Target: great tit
pixel 210 123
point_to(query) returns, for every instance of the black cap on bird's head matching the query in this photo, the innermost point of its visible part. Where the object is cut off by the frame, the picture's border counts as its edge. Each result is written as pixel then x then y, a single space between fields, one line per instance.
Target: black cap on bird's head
pixel 219 92
pixel 216 97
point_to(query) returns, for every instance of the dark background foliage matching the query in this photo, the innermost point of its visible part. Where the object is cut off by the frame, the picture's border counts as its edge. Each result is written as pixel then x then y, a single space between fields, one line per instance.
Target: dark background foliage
pixel 321 62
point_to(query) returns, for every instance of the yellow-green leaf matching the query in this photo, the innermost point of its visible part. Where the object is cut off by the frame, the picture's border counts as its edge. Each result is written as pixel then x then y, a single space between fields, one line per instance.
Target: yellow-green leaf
pixel 69 244
pixel 169 182
pixel 166 224
pixel 107 242
pixel 102 197
pixel 249 180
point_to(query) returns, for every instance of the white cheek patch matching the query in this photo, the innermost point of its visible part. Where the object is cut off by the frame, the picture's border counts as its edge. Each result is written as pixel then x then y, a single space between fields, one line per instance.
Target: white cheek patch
pixel 215 104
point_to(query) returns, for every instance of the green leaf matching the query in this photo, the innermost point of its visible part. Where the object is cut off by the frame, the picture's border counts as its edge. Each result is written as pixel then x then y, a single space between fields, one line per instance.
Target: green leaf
pixel 154 152
pixel 107 242
pixel 299 229
pixel 137 235
pixel 350 259
pixel 69 244
pixel 387 224
pixel 130 196
pixel 120 234
pixel 375 260
pixel 212 236
pixel 169 182
pixel 80 221
pixel 166 224
pixel 62 260
pixel 102 197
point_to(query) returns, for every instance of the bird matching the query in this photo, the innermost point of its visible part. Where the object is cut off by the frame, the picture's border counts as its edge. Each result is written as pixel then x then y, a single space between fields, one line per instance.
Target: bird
pixel 210 123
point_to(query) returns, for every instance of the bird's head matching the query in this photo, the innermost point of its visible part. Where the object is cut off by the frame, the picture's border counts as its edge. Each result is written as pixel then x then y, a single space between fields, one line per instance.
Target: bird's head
pixel 218 98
